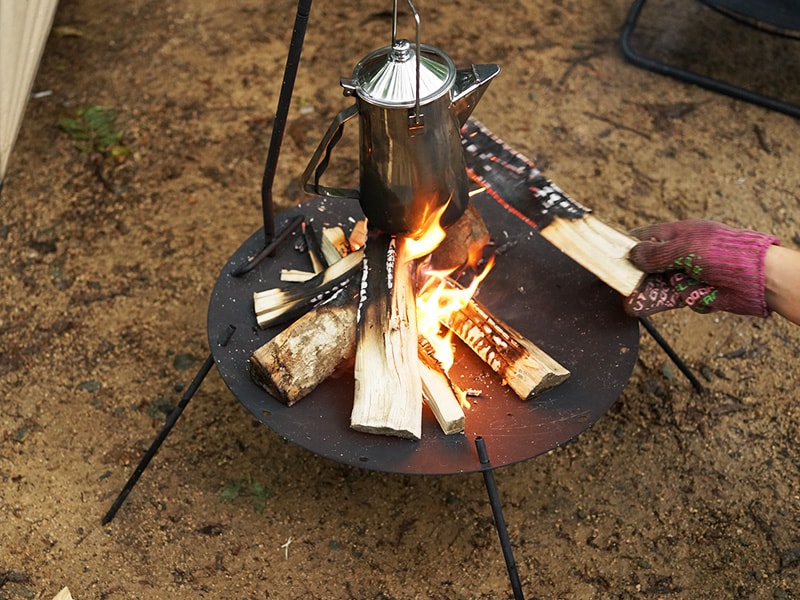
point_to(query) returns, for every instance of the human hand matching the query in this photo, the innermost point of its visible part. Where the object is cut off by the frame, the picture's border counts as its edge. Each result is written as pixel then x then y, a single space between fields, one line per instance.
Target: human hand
pixel 704 265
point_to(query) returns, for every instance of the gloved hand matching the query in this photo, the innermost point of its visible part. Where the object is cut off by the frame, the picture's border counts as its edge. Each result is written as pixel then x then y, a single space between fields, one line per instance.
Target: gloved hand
pixel 705 265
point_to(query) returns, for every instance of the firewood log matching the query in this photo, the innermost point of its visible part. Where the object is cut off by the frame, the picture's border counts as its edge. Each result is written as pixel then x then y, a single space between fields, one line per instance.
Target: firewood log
pixel 524 367
pixel 468 234
pixel 440 393
pixel 295 275
pixel 519 186
pixel 278 305
pixel 334 244
pixel 293 363
pixel 318 262
pixel 388 390
pixel 358 236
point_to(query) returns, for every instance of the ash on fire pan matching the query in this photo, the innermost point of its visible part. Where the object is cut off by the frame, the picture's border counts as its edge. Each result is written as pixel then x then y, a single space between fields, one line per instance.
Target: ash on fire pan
pixel 533 287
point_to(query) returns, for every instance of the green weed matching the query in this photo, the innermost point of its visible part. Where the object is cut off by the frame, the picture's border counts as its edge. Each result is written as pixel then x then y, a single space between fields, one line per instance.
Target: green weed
pixel 257 492
pixel 93 129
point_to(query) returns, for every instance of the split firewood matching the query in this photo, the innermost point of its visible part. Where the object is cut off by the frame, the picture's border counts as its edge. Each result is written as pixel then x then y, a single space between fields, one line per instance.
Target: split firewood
pixel 358 236
pixel 440 393
pixel 388 388
pixel 514 181
pixel 278 305
pixel 598 248
pixel 295 275
pixel 293 363
pixel 312 245
pixel 524 367
pixel 463 240
pixel 334 244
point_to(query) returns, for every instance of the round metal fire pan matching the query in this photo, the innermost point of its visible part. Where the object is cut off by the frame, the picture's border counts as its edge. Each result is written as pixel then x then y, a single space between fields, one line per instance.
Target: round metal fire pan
pixel 533 287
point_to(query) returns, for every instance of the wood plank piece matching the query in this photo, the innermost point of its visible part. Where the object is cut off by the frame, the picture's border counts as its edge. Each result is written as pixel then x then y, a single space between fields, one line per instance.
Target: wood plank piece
pixel 278 305
pixel 514 181
pixel 440 394
pixel 388 389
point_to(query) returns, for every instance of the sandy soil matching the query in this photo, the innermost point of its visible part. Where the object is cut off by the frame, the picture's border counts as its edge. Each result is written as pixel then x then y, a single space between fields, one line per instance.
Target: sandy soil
pixel 108 267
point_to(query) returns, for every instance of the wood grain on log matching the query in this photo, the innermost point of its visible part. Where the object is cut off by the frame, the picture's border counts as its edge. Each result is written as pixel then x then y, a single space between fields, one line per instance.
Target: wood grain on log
pixel 440 394
pixel 388 390
pixel 524 367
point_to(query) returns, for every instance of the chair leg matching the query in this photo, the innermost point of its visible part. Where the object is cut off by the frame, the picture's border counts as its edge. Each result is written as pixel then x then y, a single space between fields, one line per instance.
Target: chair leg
pixel 709 83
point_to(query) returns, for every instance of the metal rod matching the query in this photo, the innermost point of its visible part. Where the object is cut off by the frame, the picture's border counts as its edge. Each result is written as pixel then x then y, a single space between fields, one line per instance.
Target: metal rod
pixel 499 521
pixel 417 116
pixel 672 354
pixel 269 249
pixel 279 125
pixel 394 23
pixel 162 435
pixel 715 85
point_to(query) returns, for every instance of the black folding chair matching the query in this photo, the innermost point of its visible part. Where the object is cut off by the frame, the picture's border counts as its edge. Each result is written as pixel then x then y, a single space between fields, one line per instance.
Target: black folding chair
pixel 778 17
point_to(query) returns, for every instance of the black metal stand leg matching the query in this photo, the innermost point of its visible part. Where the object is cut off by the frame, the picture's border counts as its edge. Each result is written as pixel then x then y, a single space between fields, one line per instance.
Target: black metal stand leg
pixel 279 125
pixel 672 354
pixel 499 521
pixel 162 435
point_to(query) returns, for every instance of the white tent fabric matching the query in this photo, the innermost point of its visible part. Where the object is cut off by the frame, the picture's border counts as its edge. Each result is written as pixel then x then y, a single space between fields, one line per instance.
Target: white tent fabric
pixel 24 27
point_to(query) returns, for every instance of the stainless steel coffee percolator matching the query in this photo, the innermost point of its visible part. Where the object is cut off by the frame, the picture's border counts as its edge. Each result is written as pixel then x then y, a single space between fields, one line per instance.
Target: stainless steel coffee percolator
pixel 411 102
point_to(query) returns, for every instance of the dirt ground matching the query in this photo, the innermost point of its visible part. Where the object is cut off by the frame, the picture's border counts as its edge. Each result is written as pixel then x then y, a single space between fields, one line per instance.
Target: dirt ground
pixel 108 266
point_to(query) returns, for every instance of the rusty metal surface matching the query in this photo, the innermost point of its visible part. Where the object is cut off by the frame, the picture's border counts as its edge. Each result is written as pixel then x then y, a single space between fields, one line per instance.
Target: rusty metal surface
pixel 533 287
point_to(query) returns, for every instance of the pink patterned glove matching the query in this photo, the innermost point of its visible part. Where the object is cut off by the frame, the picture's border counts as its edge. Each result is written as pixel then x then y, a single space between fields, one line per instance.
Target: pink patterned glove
pixel 705 265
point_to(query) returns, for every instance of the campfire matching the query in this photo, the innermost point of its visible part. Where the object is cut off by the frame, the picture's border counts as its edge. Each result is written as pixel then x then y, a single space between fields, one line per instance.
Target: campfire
pixel 390 307
pixel 391 298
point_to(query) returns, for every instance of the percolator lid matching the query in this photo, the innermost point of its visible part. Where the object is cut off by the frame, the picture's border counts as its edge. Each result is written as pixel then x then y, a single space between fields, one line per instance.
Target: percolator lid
pixel 389 76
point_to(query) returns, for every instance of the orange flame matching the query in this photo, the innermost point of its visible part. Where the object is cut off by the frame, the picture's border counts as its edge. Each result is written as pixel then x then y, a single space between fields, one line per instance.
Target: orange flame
pixel 439 296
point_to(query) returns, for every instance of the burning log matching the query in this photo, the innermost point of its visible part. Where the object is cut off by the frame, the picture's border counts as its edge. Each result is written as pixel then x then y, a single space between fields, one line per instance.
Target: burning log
pixel 466 236
pixel 440 393
pixel 524 367
pixel 388 390
pixel 307 352
pixel 394 370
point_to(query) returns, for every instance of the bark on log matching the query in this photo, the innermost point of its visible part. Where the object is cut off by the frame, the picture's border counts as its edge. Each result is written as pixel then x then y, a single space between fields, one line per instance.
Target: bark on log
pixel 524 367
pixel 388 390
pixel 293 363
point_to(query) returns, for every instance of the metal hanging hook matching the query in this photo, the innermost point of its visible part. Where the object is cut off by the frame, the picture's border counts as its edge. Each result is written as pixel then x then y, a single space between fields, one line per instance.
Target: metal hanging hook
pixel 418 45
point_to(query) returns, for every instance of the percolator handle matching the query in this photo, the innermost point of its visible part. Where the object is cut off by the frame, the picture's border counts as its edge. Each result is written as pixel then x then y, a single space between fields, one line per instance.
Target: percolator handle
pixel 319 163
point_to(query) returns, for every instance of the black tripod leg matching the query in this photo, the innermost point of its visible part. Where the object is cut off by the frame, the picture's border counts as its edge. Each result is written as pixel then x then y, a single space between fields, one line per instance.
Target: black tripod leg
pixel 499 521
pixel 672 354
pixel 162 435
